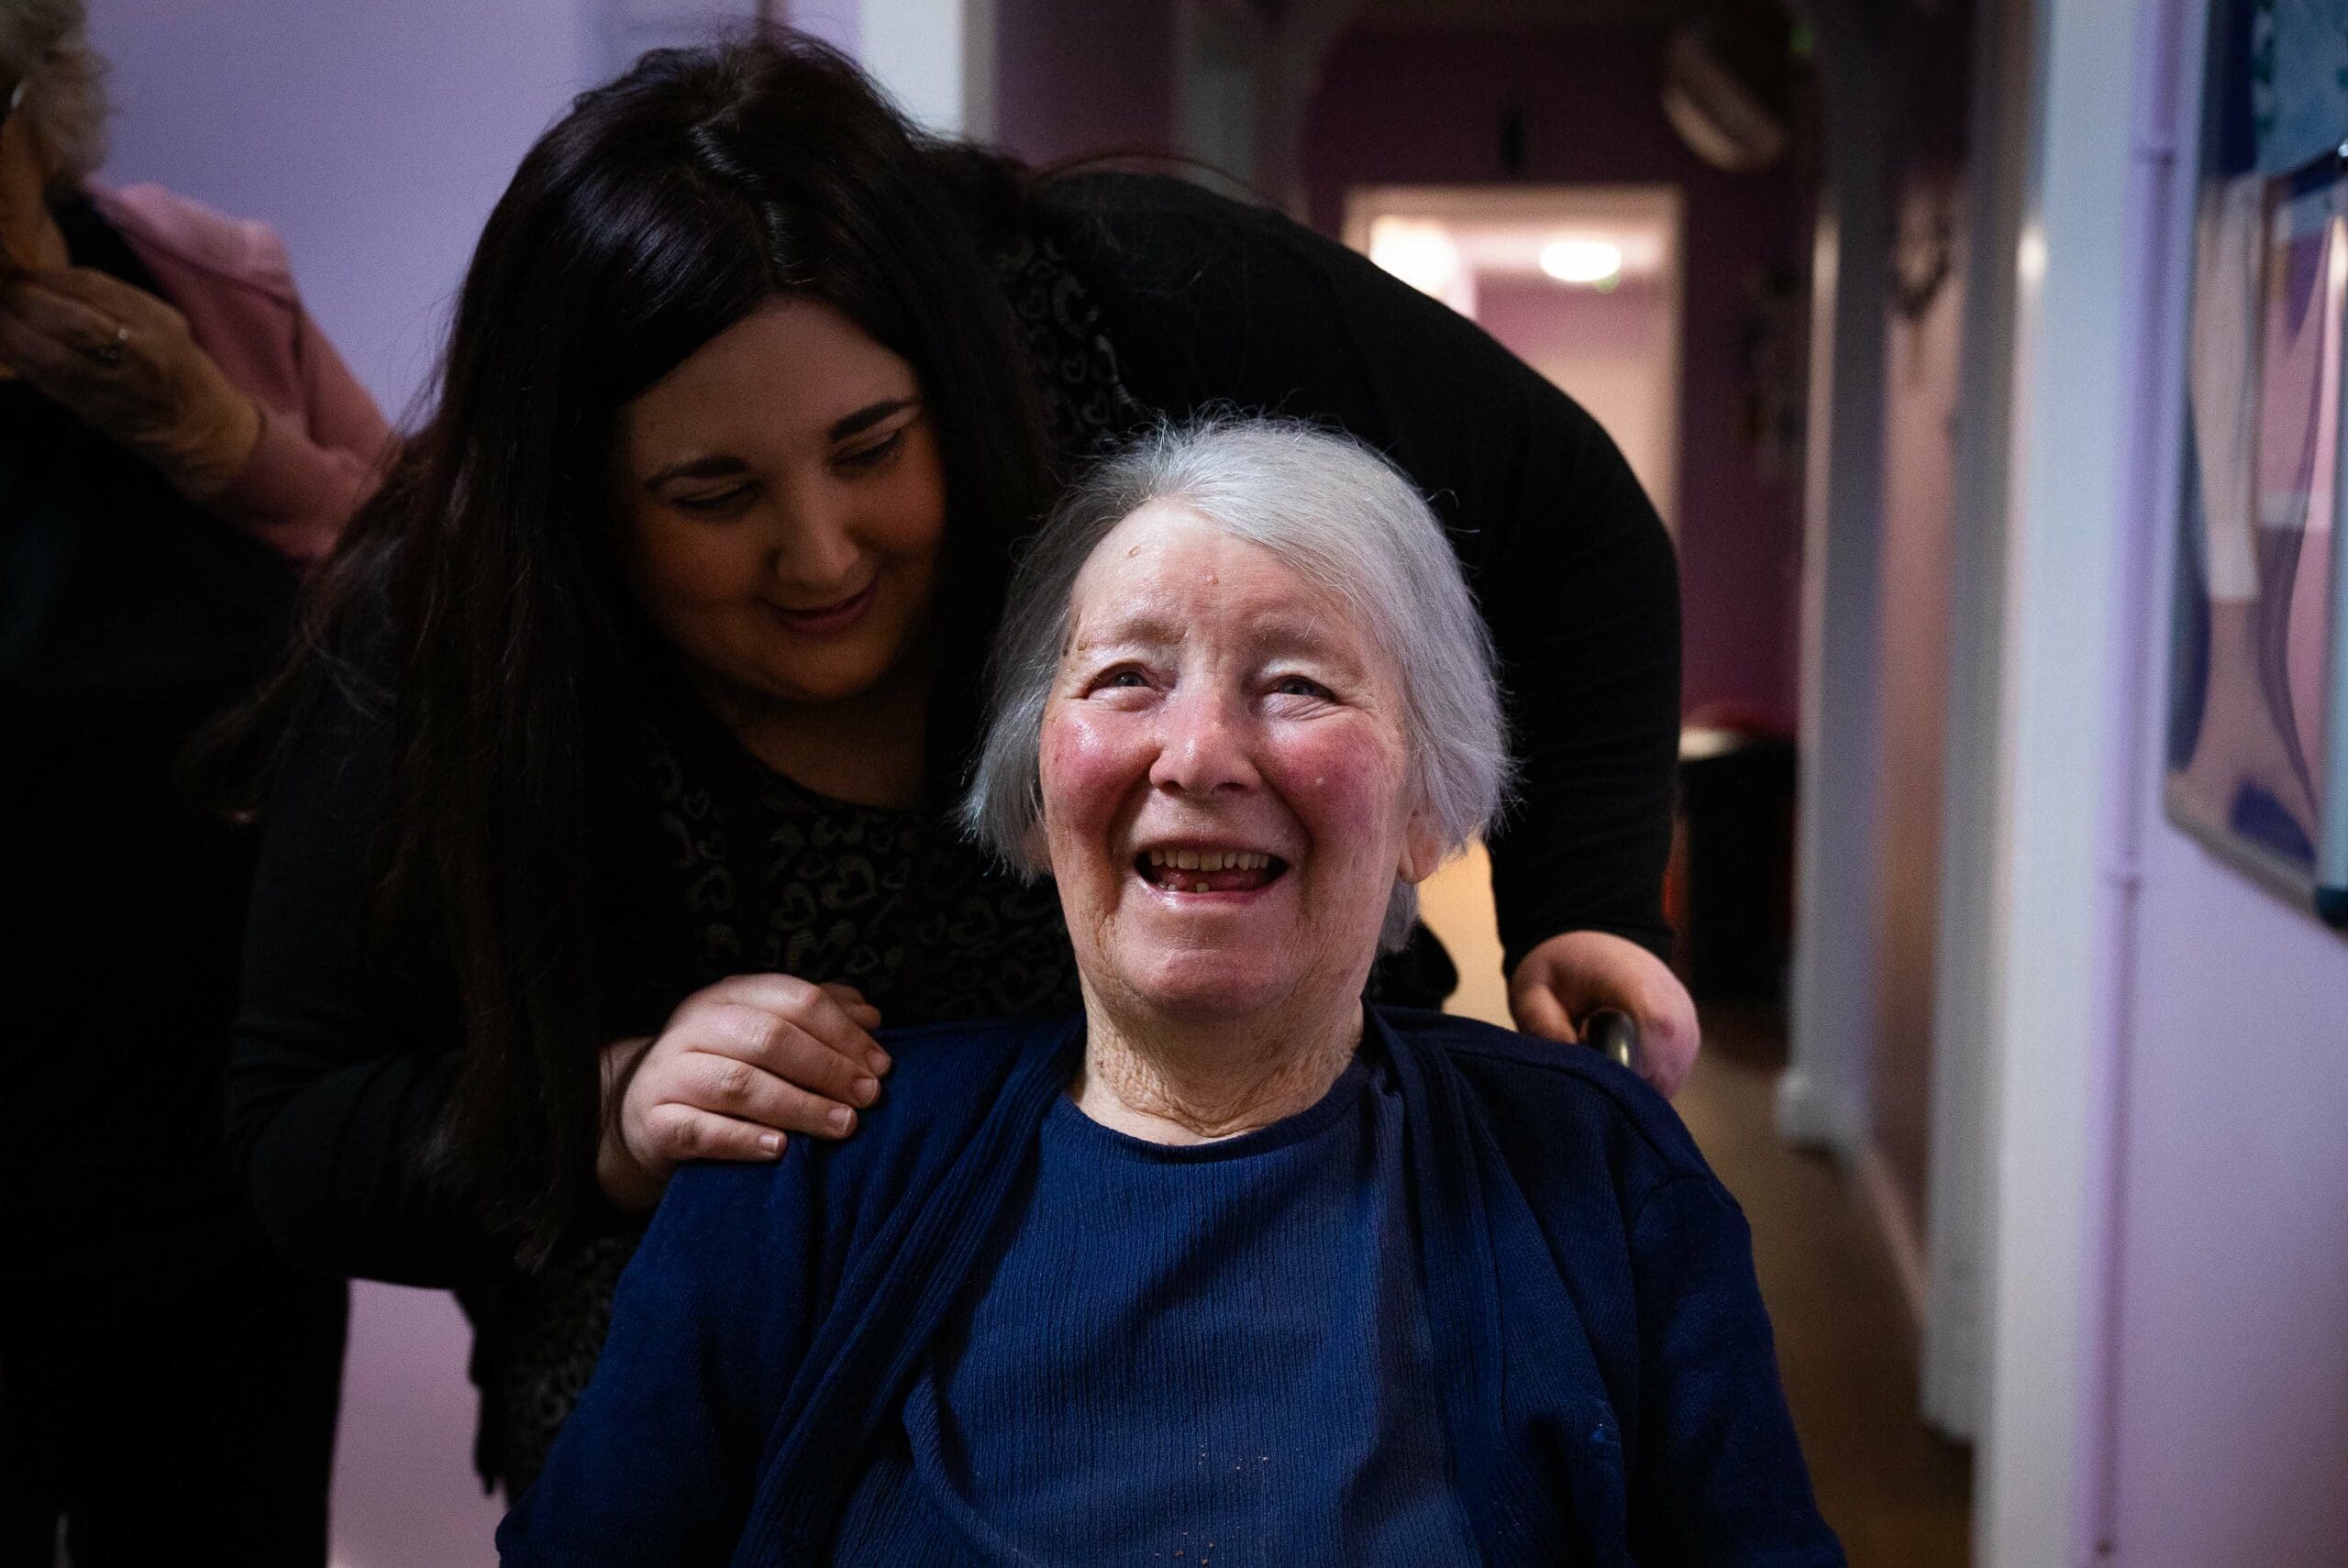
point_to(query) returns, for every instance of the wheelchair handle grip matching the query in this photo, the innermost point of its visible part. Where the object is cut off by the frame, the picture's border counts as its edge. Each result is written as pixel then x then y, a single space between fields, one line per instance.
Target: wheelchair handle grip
pixel 1615 1032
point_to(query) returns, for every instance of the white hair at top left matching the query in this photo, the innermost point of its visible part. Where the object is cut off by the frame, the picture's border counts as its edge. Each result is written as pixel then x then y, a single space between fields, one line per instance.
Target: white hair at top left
pixel 45 55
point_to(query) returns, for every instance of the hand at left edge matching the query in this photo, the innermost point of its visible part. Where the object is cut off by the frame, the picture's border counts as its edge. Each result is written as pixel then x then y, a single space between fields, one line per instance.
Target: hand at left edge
pixel 122 361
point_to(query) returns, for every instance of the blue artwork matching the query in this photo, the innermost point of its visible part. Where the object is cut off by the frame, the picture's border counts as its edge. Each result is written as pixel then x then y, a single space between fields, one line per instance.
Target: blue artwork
pixel 2298 80
pixel 2257 739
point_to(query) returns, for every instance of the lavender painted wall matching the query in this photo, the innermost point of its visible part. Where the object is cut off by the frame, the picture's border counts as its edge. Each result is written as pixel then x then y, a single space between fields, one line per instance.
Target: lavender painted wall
pixel 1077 77
pixel 1415 107
pixel 2228 1337
pixel 2223 1435
pixel 2232 1437
pixel 374 137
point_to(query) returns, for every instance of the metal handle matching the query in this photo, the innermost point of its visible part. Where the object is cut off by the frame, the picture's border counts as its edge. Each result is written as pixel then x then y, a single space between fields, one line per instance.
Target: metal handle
pixel 1615 1033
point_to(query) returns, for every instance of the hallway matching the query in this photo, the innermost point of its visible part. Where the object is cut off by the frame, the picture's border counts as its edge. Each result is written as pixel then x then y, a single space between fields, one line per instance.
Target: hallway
pixel 1899 1494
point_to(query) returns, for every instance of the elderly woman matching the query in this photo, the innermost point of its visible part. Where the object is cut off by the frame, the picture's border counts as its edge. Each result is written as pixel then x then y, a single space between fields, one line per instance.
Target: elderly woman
pixel 1232 1268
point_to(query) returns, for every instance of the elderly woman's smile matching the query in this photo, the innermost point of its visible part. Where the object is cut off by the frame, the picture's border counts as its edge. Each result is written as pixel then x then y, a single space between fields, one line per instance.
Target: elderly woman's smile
pixel 1223 777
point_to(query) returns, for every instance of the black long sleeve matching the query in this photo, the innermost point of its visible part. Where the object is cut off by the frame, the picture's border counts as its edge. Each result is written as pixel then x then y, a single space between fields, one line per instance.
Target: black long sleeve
pixel 1210 302
pixel 344 1061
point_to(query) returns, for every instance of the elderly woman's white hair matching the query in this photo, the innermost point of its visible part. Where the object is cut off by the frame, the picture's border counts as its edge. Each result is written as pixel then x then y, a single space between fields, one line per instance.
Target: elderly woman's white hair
pixel 1337 515
pixel 45 45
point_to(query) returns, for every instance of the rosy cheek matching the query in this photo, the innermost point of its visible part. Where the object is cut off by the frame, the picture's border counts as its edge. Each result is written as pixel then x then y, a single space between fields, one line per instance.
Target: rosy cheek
pixel 1090 762
pixel 1344 778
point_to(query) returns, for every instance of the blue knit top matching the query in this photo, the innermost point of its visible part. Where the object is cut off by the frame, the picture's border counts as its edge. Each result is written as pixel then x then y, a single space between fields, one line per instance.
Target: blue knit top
pixel 1214 1354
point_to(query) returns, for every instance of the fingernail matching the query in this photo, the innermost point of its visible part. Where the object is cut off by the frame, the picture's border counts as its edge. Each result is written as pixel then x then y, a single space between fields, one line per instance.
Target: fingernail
pixel 878 1061
pixel 771 1141
pixel 864 1090
pixel 840 1119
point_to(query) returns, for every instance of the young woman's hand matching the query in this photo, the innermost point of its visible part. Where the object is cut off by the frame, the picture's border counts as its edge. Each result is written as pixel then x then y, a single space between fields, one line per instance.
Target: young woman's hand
pixel 741 1065
pixel 1567 978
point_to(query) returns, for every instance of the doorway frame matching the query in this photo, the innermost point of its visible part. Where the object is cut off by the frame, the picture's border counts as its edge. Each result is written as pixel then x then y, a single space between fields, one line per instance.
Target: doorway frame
pixel 1665 204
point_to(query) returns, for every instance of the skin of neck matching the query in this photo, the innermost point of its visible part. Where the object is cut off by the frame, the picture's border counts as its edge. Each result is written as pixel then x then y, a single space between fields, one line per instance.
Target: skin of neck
pixel 1171 1079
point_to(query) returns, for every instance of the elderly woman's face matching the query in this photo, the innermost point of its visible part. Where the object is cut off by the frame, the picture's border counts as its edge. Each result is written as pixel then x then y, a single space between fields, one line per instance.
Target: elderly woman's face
pixel 1223 776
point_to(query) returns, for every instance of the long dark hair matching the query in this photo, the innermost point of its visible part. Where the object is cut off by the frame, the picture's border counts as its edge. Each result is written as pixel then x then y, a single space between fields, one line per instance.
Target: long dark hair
pixel 664 208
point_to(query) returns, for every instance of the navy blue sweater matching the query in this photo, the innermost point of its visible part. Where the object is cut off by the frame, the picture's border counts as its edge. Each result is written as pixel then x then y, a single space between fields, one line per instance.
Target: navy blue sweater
pixel 1603 1359
pixel 1184 1355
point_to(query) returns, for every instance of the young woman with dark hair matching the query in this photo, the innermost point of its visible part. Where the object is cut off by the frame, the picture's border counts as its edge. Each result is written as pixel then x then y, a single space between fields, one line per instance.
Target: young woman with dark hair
pixel 611 814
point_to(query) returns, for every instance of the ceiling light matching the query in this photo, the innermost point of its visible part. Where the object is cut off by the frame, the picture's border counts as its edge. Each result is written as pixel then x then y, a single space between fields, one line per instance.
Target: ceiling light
pixel 1422 254
pixel 1582 260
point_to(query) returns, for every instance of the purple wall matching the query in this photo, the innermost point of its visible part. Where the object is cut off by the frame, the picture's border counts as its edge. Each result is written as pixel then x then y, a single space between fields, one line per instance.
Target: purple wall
pixel 2228 1334
pixel 1425 107
pixel 1079 77
pixel 1538 319
pixel 374 137
pixel 2232 1334
pixel 2224 1439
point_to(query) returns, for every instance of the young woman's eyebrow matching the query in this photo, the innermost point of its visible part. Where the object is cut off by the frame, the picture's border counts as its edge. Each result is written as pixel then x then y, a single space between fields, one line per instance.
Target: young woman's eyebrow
pixel 717 466
pixel 870 415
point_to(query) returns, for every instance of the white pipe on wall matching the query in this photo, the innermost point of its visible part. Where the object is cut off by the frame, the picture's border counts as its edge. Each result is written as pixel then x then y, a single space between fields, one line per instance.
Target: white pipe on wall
pixel 1823 1097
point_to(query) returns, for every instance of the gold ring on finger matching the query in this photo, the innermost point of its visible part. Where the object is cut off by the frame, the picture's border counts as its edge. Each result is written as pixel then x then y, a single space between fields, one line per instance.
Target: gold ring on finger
pixel 111 351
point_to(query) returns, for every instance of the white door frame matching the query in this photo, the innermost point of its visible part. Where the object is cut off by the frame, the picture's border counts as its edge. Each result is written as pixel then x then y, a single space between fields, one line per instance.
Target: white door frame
pixel 1965 975
pixel 2098 273
pixel 1823 1097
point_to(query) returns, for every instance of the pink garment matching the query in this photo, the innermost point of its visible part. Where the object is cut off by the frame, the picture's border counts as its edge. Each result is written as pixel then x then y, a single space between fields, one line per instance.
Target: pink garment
pixel 323 442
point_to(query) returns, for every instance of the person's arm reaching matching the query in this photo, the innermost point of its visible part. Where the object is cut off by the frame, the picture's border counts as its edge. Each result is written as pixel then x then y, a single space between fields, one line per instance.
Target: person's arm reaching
pixel 314 467
pixel 305 444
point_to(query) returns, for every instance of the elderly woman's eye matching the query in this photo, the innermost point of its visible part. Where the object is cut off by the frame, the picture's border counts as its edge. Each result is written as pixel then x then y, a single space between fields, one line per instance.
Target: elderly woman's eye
pixel 1299 685
pixel 1123 677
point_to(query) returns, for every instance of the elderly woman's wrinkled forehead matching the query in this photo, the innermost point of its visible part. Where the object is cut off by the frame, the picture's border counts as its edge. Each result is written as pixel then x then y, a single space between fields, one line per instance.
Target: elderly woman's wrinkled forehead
pixel 1169 572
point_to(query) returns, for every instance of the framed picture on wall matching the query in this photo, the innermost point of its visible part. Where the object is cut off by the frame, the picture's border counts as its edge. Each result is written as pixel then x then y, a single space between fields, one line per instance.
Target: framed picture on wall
pixel 2258 715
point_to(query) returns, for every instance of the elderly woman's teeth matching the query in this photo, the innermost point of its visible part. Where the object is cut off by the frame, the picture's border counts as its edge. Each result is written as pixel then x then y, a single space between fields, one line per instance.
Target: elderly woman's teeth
pixel 1209 859
pixel 1210 870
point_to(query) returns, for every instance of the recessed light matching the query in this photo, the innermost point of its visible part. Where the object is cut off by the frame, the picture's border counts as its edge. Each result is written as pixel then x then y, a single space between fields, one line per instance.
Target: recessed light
pixel 1581 260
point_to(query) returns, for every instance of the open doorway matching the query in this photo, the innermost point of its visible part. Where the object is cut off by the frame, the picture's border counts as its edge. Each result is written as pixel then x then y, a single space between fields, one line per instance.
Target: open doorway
pixel 1582 282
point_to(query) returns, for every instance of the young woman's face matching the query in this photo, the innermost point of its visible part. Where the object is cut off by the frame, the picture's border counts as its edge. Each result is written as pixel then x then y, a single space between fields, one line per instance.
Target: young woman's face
pixel 781 502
